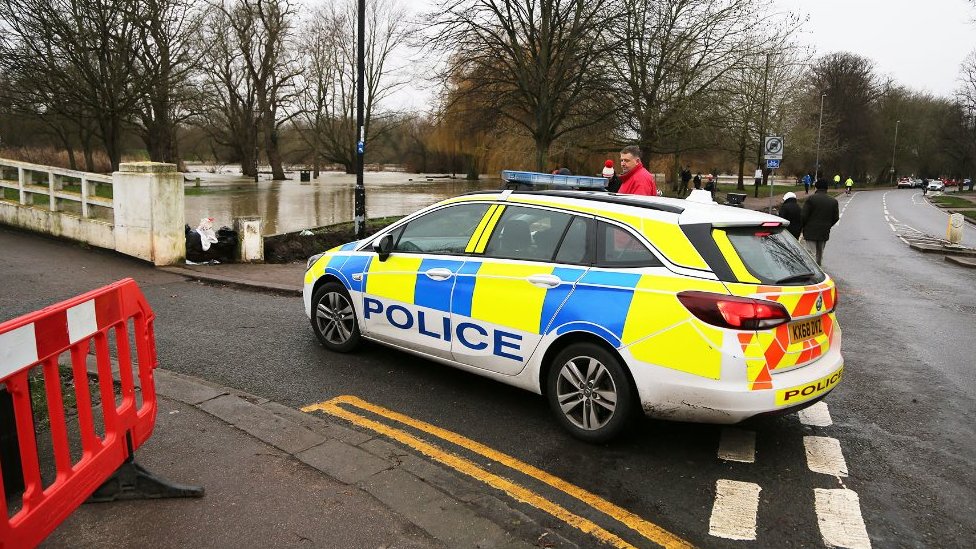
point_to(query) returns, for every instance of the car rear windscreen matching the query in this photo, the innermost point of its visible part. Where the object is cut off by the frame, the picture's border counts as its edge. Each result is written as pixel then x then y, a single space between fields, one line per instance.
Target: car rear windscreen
pixel 774 256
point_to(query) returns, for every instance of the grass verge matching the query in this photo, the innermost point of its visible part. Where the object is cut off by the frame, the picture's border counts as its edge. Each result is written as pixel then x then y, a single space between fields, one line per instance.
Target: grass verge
pixel 952 201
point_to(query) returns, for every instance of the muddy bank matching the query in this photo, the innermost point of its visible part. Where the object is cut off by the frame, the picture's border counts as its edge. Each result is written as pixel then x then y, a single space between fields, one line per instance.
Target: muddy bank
pixel 295 247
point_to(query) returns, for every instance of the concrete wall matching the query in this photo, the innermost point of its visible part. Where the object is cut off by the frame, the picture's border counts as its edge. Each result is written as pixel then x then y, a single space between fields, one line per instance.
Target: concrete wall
pixel 148 202
pixel 58 224
pixel 147 205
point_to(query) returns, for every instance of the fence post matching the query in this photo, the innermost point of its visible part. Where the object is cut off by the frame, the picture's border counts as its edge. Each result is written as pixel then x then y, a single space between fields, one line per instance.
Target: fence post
pixel 147 198
pixel 20 186
pixel 250 241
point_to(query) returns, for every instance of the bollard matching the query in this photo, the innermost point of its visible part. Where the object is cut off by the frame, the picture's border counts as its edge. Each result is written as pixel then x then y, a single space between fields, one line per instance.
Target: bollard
pixel 250 243
pixel 954 230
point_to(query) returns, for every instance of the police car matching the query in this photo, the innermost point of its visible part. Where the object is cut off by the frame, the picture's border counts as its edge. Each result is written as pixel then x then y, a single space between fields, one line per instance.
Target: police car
pixel 606 304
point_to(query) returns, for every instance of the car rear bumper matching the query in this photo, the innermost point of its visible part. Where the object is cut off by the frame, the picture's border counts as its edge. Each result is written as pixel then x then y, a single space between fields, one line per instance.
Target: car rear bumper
pixel 680 396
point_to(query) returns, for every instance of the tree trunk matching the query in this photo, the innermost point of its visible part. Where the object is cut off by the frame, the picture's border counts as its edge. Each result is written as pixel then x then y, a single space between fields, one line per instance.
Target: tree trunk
pixel 740 184
pixel 541 154
pixel 272 148
pixel 66 142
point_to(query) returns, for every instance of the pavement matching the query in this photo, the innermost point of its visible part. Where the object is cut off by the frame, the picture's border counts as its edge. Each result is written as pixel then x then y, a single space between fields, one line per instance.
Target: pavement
pixel 277 477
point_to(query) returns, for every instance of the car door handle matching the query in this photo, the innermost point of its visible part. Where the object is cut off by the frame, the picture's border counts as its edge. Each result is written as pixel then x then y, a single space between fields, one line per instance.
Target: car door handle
pixel 545 280
pixel 358 277
pixel 439 274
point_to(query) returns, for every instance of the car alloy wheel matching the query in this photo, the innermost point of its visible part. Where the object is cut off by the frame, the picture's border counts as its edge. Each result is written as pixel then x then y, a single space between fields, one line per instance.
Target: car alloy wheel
pixel 589 392
pixel 334 319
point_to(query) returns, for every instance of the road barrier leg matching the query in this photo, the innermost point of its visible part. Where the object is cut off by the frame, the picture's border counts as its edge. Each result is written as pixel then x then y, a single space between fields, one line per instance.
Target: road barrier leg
pixel 132 481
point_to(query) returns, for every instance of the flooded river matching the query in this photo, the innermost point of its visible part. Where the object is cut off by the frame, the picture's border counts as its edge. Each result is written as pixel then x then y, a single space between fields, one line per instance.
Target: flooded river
pixel 288 206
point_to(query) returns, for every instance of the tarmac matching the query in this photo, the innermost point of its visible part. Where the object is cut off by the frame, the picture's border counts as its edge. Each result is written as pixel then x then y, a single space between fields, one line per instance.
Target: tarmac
pixel 278 477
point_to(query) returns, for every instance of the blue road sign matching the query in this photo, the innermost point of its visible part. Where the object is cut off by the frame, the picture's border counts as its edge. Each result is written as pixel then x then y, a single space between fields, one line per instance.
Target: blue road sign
pixel 772 164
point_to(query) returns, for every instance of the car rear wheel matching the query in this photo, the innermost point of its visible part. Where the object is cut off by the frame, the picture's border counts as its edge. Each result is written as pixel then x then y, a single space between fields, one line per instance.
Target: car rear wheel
pixel 334 319
pixel 589 392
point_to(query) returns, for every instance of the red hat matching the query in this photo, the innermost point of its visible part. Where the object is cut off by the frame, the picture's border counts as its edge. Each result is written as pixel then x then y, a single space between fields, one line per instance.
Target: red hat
pixel 608 163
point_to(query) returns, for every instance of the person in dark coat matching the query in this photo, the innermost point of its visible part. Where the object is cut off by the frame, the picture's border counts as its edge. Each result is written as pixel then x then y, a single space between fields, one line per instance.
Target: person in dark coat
pixel 820 213
pixel 790 211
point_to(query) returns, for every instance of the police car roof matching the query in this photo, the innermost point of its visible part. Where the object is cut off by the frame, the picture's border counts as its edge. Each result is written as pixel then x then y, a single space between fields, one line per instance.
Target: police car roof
pixel 688 212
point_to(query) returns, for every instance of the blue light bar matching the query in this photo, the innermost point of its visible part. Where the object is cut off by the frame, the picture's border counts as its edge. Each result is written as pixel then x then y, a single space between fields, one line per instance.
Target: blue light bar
pixel 541 181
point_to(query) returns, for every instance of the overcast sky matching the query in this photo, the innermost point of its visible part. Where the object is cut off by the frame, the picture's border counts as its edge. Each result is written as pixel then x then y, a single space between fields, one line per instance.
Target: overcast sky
pixel 919 43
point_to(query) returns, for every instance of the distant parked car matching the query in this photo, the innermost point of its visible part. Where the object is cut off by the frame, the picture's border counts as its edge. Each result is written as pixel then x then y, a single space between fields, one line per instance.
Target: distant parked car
pixel 918 183
pixel 936 185
pixel 951 183
pixel 906 183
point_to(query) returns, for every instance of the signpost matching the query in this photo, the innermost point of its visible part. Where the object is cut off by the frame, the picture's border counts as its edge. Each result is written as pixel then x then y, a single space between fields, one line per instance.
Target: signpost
pixel 773 153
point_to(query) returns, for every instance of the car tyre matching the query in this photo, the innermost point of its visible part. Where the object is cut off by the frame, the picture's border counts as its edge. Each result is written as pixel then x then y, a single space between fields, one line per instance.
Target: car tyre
pixel 589 392
pixel 334 318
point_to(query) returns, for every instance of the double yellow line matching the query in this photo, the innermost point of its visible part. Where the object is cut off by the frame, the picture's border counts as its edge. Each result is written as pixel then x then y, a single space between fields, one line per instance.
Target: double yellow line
pixel 648 530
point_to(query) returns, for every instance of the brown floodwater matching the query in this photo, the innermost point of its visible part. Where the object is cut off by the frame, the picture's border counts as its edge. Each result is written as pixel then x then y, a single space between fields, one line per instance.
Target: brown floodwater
pixel 291 205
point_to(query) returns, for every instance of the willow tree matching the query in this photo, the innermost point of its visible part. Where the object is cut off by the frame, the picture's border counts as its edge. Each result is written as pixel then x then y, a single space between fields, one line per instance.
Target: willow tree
pixel 541 64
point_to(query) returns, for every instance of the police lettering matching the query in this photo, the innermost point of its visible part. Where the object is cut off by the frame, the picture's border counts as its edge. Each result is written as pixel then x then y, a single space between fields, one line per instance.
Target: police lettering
pixel 468 334
pixel 813 388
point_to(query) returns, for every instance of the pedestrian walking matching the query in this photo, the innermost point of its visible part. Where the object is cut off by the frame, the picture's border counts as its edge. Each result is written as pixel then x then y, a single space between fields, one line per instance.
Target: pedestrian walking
pixel 806 183
pixel 697 181
pixel 758 176
pixel 790 211
pixel 685 179
pixel 848 185
pixel 634 177
pixel 836 180
pixel 820 213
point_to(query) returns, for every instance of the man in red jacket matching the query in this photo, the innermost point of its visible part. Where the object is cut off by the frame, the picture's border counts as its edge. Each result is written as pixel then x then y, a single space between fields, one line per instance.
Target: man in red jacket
pixel 634 178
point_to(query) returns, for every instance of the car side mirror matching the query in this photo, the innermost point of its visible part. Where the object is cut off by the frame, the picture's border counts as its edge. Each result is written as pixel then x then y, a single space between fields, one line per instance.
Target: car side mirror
pixel 383 246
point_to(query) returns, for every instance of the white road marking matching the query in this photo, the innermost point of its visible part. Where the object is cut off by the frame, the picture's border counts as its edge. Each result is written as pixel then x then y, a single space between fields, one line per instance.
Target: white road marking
pixel 737 445
pixel 825 456
pixel 846 204
pixel 817 415
pixel 839 517
pixel 735 510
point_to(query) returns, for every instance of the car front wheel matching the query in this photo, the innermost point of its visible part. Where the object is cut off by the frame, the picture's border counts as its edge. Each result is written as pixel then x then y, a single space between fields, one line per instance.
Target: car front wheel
pixel 589 392
pixel 334 319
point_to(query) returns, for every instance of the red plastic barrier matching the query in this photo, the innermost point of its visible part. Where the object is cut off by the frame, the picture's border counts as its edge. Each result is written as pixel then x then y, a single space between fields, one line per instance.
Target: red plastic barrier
pixel 37 340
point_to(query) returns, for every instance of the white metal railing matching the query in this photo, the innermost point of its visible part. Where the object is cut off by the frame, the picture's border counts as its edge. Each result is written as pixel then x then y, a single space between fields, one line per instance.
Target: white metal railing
pixel 33 180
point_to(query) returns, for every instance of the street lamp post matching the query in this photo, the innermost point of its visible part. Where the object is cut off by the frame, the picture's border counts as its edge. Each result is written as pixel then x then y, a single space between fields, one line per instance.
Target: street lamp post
pixel 816 171
pixel 360 195
pixel 893 149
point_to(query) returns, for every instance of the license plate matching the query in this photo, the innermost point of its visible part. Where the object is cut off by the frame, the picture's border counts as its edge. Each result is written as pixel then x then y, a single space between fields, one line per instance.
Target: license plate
pixel 806 329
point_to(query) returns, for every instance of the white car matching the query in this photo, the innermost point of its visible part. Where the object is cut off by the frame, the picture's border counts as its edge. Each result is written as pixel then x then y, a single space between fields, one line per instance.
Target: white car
pixel 936 185
pixel 906 183
pixel 607 304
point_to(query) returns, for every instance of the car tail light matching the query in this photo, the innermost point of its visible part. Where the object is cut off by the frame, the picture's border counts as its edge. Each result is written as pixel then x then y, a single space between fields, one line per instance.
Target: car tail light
pixel 737 313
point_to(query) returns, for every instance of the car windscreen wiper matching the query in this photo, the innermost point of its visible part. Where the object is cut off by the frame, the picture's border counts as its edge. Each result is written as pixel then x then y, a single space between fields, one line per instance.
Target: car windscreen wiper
pixel 794 278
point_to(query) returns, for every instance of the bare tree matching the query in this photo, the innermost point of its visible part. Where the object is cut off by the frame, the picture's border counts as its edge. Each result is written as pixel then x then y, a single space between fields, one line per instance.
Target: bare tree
pixel 328 101
pixel 167 54
pixel 84 51
pixel 227 106
pixel 758 98
pixel 854 90
pixel 673 54
pixel 538 63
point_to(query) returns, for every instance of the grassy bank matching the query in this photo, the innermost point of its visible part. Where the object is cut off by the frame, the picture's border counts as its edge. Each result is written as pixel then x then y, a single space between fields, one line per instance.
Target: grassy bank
pixel 292 247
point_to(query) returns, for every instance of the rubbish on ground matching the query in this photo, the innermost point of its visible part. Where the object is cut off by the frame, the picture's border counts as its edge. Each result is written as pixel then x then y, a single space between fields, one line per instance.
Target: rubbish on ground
pixel 204 245
pixel 306 232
